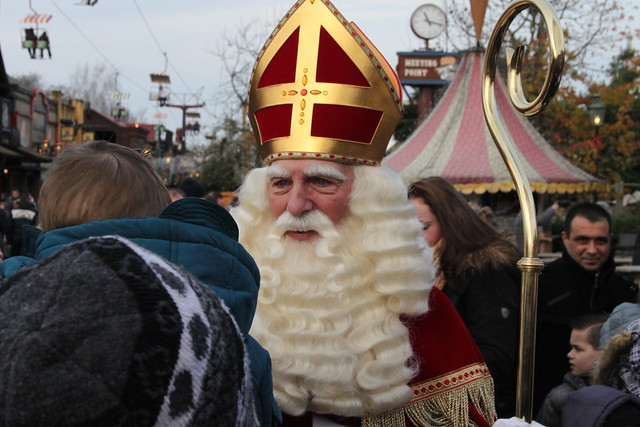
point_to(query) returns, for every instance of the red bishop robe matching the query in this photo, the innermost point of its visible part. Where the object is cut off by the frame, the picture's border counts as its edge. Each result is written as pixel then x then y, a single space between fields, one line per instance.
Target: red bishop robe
pixel 454 386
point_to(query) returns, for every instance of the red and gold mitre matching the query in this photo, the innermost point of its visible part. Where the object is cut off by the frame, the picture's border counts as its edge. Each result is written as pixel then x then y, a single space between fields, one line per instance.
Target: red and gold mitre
pixel 321 90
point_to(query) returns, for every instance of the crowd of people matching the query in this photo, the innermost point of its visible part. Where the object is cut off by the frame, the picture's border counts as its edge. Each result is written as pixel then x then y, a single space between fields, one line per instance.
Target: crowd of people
pixel 329 293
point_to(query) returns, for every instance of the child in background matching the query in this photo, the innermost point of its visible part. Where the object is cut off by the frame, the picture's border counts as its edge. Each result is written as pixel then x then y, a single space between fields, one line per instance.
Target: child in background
pixel 615 400
pixel 585 334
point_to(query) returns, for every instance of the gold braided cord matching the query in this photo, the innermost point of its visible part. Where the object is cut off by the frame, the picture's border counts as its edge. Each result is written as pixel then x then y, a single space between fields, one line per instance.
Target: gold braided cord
pixel 444 401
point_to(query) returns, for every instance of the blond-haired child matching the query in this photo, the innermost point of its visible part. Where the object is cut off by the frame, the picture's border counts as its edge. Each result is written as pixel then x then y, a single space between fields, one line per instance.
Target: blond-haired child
pixel 96 181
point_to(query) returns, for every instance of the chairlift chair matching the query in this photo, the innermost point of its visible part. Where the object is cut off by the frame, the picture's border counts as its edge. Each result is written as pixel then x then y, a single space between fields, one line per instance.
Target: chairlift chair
pixel 119 112
pixel 34 37
pixel 29 40
pixel 163 80
pixel 192 128
pixel 44 44
pixel 160 93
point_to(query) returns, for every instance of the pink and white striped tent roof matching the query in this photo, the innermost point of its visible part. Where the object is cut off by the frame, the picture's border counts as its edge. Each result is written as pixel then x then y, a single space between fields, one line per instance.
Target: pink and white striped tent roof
pixel 454 142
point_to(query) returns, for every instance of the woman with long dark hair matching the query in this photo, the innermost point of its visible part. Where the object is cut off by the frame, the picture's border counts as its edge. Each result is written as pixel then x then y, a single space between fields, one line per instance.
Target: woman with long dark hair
pixel 478 272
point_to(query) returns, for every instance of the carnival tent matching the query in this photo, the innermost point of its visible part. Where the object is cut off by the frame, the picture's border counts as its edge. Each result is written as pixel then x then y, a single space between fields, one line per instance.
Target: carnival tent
pixel 454 142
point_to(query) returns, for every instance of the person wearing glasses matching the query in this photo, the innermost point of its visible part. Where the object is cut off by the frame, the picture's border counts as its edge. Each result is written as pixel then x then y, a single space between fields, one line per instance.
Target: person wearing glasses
pixel 583 281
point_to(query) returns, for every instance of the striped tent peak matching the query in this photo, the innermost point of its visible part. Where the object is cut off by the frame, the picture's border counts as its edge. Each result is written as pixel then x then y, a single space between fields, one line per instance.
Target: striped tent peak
pixel 454 142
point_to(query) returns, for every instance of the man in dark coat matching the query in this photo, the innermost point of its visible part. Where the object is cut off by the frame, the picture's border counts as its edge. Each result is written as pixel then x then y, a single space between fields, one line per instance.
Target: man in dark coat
pixel 582 281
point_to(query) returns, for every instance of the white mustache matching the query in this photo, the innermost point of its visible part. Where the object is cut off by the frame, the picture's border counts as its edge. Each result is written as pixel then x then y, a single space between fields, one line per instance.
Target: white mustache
pixel 312 220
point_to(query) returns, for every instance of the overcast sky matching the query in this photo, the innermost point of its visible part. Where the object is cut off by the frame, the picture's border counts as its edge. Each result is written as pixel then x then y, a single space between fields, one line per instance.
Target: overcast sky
pixel 115 32
pixel 130 36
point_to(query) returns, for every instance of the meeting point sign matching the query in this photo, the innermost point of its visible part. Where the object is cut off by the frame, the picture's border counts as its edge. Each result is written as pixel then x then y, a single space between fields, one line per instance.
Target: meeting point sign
pixel 424 66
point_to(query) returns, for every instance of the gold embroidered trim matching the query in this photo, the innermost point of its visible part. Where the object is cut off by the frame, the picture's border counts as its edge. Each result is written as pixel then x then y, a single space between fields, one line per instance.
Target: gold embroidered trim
pixel 450 381
pixel 444 402
pixel 319 156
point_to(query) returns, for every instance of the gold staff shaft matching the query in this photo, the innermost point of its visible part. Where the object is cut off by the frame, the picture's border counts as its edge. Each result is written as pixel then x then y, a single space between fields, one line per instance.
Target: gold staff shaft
pixel 529 264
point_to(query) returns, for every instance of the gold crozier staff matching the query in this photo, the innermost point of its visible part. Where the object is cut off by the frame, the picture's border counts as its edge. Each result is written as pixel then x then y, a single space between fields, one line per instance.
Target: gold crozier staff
pixel 529 264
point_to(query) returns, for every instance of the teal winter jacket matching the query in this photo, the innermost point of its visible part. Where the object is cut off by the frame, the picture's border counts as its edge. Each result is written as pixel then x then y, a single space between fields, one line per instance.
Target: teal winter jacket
pixel 199 236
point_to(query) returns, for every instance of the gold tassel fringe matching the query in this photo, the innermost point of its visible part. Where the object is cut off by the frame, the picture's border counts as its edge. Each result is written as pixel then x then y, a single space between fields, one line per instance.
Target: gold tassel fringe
pixel 444 401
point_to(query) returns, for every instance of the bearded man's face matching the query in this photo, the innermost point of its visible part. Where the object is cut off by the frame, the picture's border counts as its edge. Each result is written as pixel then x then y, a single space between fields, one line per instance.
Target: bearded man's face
pixel 341 261
pixel 298 187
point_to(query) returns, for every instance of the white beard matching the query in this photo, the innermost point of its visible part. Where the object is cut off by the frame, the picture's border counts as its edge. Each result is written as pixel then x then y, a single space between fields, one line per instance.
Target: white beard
pixel 330 317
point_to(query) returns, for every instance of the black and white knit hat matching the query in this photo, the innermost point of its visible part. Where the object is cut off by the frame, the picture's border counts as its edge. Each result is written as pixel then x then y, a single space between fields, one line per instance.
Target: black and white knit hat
pixel 105 333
